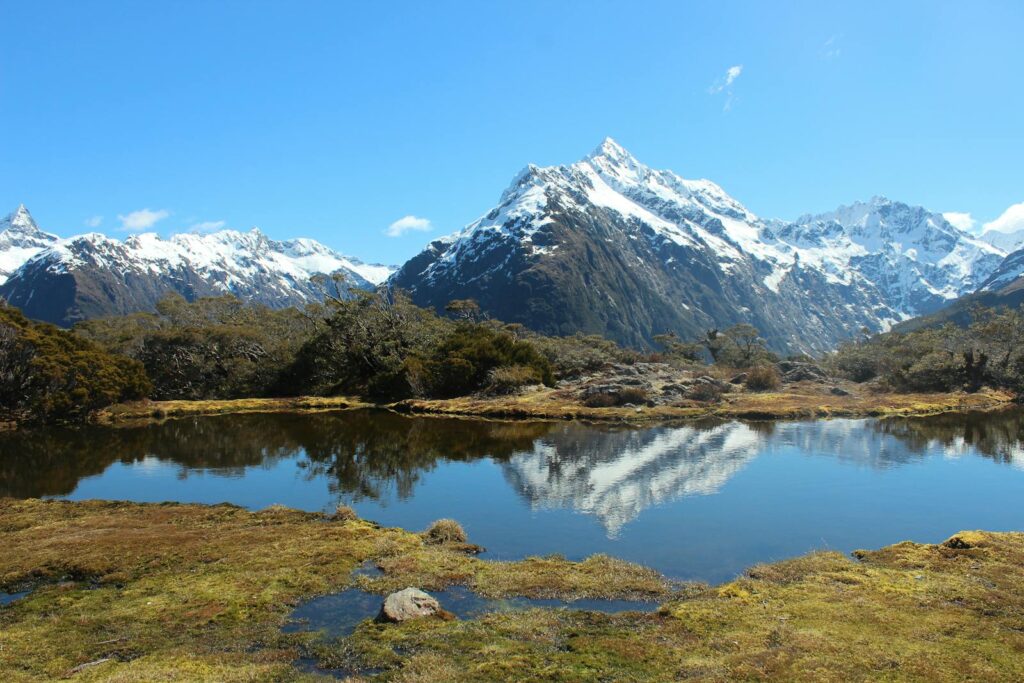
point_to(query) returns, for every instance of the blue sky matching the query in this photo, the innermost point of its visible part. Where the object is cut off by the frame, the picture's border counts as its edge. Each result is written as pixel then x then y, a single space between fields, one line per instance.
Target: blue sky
pixel 334 120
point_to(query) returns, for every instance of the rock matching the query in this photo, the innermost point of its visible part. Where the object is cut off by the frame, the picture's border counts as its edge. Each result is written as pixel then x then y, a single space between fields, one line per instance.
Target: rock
pixel 740 378
pixel 838 391
pixel 411 603
pixel 793 371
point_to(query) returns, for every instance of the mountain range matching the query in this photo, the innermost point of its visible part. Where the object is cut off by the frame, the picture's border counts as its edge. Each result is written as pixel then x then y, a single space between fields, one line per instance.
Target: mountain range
pixel 606 245
pixel 610 246
pixel 67 280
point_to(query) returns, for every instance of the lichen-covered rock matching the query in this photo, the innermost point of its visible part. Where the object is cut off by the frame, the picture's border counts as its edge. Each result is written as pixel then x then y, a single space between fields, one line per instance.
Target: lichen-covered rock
pixel 410 603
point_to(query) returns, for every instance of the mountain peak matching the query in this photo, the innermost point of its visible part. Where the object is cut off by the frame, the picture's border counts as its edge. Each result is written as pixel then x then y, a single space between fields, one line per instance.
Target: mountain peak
pixel 612 151
pixel 19 221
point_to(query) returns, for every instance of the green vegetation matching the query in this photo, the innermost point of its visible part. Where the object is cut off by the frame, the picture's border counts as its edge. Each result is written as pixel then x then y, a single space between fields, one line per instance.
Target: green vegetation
pixel 51 375
pixel 187 592
pixel 213 348
pixel 986 352
pixel 380 348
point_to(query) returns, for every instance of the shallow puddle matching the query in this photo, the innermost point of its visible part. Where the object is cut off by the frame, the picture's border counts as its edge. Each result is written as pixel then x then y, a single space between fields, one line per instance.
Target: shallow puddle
pixel 338 614
pixel 8 598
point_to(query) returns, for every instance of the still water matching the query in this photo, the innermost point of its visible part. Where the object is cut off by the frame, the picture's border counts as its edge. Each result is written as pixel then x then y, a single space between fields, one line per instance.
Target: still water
pixel 699 501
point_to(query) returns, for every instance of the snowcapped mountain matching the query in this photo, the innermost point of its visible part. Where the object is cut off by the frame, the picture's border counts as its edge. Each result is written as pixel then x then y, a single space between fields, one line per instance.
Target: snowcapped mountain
pixel 65 280
pixel 20 240
pixel 1009 273
pixel 608 245
pixel 915 258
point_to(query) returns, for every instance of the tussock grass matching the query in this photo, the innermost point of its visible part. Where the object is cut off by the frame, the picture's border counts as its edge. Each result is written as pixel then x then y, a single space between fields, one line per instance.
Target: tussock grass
pixel 191 592
pixel 445 531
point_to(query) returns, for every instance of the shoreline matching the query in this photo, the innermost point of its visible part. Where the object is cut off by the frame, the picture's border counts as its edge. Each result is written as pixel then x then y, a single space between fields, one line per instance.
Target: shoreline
pixel 141 591
pixel 546 405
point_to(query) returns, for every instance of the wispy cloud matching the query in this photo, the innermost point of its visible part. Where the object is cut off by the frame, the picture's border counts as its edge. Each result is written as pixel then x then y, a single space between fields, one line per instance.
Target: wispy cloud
pixel 207 226
pixel 93 222
pixel 831 48
pixel 143 219
pixel 964 221
pixel 407 224
pixel 1012 220
pixel 725 83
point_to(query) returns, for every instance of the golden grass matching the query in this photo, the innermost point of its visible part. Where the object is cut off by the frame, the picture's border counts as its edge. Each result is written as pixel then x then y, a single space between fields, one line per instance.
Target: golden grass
pixel 171 592
pixel 795 401
pixel 150 410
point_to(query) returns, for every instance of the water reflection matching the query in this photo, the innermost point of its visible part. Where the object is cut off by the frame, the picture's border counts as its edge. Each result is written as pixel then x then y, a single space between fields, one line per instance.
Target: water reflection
pixel 610 473
pixel 364 454
pixel 616 475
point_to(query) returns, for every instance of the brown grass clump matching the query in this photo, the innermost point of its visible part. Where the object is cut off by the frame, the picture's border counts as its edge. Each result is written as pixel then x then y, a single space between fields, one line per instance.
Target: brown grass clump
pixel 445 531
pixel 345 513
pixel 763 378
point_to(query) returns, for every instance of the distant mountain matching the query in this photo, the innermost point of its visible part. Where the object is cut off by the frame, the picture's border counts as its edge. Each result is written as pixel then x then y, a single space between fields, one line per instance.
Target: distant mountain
pixel 1004 288
pixel 610 246
pixel 66 280
pixel 20 240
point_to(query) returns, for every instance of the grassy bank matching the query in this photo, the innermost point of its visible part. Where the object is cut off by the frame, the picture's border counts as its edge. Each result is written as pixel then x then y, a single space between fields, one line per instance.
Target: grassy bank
pixel 146 410
pixel 796 401
pixel 134 592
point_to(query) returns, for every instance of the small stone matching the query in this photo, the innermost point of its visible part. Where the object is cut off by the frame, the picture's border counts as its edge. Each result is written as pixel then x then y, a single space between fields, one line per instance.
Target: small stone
pixel 410 603
pixel 839 391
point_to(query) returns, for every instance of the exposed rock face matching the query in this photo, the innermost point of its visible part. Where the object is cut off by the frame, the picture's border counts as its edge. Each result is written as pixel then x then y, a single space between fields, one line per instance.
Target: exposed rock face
pixel 612 247
pixel 410 603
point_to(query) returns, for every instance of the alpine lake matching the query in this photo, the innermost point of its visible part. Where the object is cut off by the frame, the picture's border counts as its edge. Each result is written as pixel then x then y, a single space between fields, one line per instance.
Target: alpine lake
pixel 695 501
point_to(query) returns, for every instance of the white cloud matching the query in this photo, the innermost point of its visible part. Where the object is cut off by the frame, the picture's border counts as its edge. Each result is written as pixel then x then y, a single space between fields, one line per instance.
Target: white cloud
pixel 1011 221
pixel 731 74
pixel 93 222
pixel 143 219
pixel 831 49
pixel 406 224
pixel 207 226
pixel 964 221
pixel 725 85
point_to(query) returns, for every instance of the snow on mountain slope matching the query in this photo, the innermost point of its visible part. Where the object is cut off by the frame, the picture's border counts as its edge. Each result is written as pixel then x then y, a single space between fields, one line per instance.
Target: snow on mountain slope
pixel 63 280
pixel 20 240
pixel 914 257
pixel 659 252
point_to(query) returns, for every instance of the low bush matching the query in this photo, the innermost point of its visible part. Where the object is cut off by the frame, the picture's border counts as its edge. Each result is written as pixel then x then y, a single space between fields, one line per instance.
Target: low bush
pixel 763 378
pixel 511 378
pixel 619 397
pixel 705 393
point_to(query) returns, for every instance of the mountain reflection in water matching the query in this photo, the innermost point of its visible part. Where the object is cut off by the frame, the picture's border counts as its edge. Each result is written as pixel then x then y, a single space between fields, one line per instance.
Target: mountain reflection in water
pixel 697 500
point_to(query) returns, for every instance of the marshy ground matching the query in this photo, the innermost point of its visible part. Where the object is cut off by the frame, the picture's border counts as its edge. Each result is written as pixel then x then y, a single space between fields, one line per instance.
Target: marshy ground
pixel 134 592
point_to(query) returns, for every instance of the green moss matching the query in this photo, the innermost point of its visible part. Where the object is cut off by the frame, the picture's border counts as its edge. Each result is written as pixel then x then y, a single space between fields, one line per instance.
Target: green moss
pixel 188 592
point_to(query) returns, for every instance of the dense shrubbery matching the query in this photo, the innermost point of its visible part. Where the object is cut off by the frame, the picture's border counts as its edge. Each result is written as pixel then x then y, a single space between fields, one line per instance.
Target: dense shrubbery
pixel 580 354
pixel 382 346
pixel 216 347
pixel 51 375
pixel 987 352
